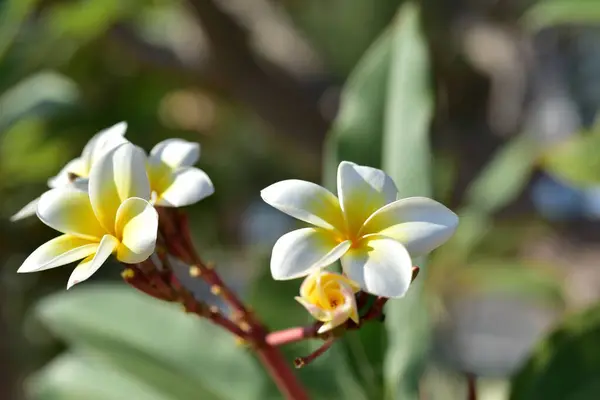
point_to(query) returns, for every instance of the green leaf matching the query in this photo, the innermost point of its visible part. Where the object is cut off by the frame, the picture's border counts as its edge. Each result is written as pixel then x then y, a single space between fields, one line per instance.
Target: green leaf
pixel 358 129
pixel 504 177
pixel 157 342
pixel 555 12
pixel 575 160
pixel 75 377
pixel 514 278
pixel 565 365
pixel 406 157
pixel 341 30
pixel 39 94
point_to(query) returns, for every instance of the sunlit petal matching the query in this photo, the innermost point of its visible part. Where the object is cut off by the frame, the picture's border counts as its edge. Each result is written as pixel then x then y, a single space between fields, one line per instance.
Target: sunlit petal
pixel 115 177
pixel 186 186
pixel 68 210
pixel 136 226
pixel 363 190
pixel 59 251
pixel 421 224
pixel 101 143
pixel 175 153
pixel 381 266
pixel 90 264
pixel 27 211
pixel 302 251
pixel 306 201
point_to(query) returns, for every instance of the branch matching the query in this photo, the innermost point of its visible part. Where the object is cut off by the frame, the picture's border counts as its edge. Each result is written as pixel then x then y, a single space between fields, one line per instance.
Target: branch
pixel 270 91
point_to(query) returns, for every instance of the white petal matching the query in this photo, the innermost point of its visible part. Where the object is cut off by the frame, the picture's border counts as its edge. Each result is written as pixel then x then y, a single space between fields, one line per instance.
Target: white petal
pixel 187 186
pixel 306 201
pixel 175 153
pixel 102 142
pixel 381 266
pixel 363 190
pixel 421 224
pixel 87 267
pixel 65 176
pixel 59 251
pixel 300 252
pixel 68 210
pixel 115 177
pixel 27 211
pixel 137 228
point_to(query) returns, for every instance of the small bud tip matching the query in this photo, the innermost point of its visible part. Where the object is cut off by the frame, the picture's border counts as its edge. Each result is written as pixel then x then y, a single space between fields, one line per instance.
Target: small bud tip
pixel 195 271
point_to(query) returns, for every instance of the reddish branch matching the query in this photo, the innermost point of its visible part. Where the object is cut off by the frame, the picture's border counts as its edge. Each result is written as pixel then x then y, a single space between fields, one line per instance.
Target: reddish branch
pixel 175 234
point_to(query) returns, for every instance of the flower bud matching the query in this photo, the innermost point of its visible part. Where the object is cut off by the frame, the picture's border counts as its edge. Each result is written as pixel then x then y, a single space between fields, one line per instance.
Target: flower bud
pixel 329 297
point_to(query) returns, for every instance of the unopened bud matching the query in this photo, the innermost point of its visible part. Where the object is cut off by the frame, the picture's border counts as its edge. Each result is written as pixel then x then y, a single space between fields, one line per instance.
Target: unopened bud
pixel 195 271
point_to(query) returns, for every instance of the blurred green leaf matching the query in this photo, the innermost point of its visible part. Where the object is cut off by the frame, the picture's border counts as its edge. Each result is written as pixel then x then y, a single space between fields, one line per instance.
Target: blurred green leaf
pixel 12 15
pixel 176 353
pixel 357 131
pixel 545 13
pixel 498 184
pixel 504 176
pixel 40 94
pixel 407 157
pixel 575 160
pixel 514 278
pixel 75 377
pixel 85 20
pixel 565 365
pixel 26 155
pixel 341 30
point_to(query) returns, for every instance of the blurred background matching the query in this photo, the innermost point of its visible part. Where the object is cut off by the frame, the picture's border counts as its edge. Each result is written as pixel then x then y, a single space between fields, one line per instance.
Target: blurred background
pixel 269 88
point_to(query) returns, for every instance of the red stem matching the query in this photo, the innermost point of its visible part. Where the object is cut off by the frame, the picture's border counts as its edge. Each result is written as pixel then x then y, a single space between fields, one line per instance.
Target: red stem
pixel 291 335
pixel 280 371
pixel 179 242
pixel 302 361
pixel 471 386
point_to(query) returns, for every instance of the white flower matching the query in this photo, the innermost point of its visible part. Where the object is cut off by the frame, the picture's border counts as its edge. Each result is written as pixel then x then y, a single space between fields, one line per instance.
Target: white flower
pixel 372 233
pixel 329 298
pixel 76 171
pixel 173 179
pixel 114 218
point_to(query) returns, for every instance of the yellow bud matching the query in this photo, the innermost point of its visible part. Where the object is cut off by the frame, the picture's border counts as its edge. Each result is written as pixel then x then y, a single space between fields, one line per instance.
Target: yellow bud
pixel 128 273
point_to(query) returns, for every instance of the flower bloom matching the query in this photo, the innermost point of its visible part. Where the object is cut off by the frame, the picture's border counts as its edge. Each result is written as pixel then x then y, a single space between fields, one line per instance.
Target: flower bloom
pixel 329 297
pixel 174 181
pixel 76 171
pixel 115 217
pixel 367 228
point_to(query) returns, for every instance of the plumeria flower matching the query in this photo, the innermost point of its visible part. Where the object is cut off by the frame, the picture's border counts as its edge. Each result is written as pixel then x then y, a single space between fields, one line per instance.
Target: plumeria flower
pixel 115 218
pixel 373 234
pixel 173 179
pixel 76 171
pixel 329 297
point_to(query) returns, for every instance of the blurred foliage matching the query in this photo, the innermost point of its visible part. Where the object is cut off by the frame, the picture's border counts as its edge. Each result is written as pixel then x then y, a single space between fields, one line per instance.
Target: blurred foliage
pixel 565 365
pixel 70 68
pixel 575 160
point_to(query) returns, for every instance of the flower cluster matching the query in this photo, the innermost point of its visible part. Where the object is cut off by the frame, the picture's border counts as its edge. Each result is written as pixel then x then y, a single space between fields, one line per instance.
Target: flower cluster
pixel 374 234
pixel 103 202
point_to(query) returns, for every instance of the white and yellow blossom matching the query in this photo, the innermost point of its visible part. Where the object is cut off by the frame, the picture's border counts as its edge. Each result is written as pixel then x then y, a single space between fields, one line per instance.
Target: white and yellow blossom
pixel 173 179
pixel 329 297
pixel 76 172
pixel 367 228
pixel 115 218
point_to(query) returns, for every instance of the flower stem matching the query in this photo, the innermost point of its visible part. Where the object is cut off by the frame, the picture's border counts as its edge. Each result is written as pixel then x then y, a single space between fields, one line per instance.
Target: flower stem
pixel 471 386
pixel 177 237
pixel 302 361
